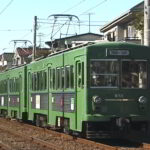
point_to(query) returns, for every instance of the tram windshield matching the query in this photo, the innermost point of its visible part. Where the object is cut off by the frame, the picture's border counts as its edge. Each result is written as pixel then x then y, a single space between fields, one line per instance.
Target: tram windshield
pixel 114 74
pixel 134 74
pixel 104 73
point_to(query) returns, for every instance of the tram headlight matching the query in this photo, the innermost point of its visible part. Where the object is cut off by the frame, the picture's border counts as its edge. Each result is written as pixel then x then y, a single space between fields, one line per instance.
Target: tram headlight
pixel 97 99
pixel 142 100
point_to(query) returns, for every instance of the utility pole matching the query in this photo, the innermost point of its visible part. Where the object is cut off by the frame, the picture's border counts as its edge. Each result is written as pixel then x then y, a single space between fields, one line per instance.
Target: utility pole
pixel 147 22
pixel 89 14
pixel 34 38
pixel 89 22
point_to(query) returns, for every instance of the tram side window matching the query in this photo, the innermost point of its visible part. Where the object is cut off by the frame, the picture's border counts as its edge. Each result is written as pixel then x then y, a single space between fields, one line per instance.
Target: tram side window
pixel 53 78
pixel 18 86
pixel 45 80
pixel 69 77
pixel 58 78
pixel 14 85
pixel 34 81
pixel 39 81
pixel 82 74
pixel 3 85
pixel 50 78
pixel 62 77
pixel 33 84
pixel 72 77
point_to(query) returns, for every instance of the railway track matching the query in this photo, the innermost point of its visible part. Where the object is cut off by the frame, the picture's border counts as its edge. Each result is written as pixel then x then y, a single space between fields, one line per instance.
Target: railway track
pixel 47 139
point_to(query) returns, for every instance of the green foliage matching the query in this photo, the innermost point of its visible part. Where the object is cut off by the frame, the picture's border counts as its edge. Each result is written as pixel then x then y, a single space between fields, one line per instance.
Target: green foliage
pixel 138 22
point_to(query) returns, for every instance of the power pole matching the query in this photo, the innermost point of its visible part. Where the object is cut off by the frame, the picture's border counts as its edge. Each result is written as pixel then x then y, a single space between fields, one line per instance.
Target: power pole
pixel 34 38
pixel 89 14
pixel 147 22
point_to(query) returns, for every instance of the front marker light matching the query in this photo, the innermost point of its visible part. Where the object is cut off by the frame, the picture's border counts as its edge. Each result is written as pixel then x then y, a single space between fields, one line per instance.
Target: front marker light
pixel 142 100
pixel 97 99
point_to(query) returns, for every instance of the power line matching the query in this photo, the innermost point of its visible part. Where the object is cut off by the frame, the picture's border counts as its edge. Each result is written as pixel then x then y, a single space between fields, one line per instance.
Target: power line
pixel 93 7
pixel 15 30
pixel 6 7
pixel 74 6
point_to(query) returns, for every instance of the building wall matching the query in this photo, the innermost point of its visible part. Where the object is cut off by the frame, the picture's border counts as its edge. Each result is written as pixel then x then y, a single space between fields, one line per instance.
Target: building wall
pixel 124 32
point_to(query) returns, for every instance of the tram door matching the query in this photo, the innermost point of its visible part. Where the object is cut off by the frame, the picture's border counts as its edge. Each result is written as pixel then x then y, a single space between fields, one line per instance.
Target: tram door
pixel 79 90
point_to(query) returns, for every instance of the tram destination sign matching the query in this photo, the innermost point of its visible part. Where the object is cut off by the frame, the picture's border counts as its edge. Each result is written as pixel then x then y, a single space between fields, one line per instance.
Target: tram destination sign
pixel 116 52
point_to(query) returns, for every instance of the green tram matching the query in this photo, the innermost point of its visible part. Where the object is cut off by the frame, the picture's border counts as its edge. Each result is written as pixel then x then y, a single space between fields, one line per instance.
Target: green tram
pixel 12 93
pixel 92 89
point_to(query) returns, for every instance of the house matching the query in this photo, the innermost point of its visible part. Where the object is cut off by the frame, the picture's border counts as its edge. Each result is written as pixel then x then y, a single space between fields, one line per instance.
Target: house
pixel 122 29
pixel 24 55
pixel 6 61
pixel 67 42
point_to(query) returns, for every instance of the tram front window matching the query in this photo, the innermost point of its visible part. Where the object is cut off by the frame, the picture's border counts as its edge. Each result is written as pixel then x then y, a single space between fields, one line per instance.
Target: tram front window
pixel 134 74
pixel 104 73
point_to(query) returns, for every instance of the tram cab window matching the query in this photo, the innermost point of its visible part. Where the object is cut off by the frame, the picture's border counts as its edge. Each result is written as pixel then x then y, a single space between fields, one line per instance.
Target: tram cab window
pixel 134 74
pixel 104 73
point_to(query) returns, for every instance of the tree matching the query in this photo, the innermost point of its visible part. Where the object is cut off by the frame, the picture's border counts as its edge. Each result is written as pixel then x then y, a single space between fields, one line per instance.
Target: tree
pixel 138 22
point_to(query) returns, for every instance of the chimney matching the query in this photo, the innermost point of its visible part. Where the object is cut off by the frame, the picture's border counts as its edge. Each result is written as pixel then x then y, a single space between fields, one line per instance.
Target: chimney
pixel 147 22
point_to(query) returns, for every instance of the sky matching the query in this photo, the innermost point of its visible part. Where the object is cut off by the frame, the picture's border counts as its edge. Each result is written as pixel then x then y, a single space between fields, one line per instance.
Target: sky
pixel 17 19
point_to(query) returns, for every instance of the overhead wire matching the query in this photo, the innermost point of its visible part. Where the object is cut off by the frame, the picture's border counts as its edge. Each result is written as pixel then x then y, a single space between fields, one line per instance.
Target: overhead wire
pixel 62 22
pixel 76 5
pixel 97 5
pixel 6 7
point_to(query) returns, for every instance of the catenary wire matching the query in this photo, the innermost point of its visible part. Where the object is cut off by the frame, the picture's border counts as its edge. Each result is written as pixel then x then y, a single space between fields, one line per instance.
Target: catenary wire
pixel 6 7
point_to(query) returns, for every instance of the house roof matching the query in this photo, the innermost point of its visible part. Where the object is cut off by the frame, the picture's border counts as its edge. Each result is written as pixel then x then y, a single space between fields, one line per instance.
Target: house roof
pixel 75 37
pixel 7 56
pixel 126 17
pixel 25 52
pixel 80 35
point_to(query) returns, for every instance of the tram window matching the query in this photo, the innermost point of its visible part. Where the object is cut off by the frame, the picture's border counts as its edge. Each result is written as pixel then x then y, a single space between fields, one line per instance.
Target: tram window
pixel 67 76
pixel 62 77
pixel 57 78
pixel 82 74
pixel 18 84
pixel 79 75
pixel 35 81
pixel 38 81
pixel 104 73
pixel 134 74
pixel 32 81
pixel 54 76
pixel 72 77
pixel 45 80
pixel 50 78
pixel 14 85
pixel 3 85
